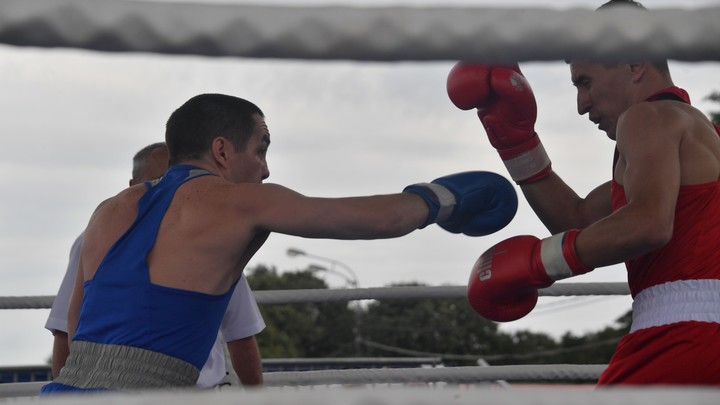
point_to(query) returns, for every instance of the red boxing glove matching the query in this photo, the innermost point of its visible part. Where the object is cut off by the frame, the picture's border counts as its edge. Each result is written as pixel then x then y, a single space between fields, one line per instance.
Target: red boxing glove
pixel 504 281
pixel 507 109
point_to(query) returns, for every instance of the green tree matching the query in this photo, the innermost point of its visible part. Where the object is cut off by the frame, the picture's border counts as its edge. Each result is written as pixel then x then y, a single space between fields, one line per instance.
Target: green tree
pixel 596 347
pixel 301 330
pixel 524 347
pixel 715 116
pixel 446 327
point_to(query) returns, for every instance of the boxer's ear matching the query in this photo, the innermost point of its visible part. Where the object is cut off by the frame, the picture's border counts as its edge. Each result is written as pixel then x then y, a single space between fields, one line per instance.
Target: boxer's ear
pixel 219 149
pixel 637 70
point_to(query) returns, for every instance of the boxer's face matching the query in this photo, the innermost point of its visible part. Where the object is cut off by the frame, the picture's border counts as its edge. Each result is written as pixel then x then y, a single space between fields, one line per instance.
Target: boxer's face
pixel 602 92
pixel 250 165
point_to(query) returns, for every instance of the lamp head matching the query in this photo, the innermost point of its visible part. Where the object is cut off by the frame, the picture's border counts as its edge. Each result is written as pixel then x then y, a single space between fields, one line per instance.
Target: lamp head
pixel 295 252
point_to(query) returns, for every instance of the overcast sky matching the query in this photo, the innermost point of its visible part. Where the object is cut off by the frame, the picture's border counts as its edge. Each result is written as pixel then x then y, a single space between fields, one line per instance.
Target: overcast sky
pixel 72 120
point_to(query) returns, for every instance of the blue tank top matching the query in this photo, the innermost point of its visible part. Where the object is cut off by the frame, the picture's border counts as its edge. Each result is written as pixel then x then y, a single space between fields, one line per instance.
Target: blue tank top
pixel 122 307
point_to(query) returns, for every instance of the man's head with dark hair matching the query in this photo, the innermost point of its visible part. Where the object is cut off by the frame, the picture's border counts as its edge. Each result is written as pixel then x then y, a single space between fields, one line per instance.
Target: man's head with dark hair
pixel 661 65
pixel 193 126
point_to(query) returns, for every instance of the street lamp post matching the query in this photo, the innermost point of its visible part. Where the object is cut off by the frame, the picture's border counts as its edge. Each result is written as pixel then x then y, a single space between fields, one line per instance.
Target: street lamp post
pixel 351 279
pixel 317 268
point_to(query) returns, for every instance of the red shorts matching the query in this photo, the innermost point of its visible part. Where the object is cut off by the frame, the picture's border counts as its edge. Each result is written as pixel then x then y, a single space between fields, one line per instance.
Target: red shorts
pixel 684 353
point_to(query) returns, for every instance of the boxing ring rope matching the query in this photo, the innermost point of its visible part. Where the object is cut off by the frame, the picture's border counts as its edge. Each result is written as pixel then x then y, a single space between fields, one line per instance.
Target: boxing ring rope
pixel 352 294
pixel 445 374
pixel 392 395
pixel 355 377
pixel 369 34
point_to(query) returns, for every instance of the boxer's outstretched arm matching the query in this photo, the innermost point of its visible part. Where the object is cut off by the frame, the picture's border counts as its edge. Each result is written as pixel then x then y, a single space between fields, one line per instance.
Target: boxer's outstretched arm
pixel 275 208
pixel 473 203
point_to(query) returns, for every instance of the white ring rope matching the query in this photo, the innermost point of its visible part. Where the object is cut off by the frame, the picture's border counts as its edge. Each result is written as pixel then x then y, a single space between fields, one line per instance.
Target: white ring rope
pixel 371 34
pixel 410 395
pixel 442 374
pixel 352 294
pixel 453 375
pixel 391 395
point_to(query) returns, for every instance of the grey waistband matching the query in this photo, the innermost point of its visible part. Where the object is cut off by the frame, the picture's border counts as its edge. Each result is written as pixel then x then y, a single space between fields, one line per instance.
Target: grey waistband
pixel 116 367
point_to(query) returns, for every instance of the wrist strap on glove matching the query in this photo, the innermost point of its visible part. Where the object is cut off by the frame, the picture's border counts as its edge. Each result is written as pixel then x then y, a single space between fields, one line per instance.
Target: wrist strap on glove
pixel 559 256
pixel 527 162
pixel 440 201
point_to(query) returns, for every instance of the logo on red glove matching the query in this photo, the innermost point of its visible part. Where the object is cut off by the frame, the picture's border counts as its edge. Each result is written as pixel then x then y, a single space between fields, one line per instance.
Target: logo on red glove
pixel 484 271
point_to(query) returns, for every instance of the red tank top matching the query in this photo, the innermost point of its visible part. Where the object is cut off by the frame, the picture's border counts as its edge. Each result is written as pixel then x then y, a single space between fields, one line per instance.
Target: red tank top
pixel 693 252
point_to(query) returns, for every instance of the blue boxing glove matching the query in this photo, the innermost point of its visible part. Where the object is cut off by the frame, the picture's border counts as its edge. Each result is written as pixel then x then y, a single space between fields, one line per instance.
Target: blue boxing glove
pixel 473 203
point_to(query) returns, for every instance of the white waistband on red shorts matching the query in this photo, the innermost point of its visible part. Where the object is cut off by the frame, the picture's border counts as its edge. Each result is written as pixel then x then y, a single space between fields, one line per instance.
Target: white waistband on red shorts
pixel 677 301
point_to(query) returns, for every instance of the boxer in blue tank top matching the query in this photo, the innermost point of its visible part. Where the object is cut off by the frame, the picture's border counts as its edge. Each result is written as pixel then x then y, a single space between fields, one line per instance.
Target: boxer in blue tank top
pixel 167 332
pixel 194 234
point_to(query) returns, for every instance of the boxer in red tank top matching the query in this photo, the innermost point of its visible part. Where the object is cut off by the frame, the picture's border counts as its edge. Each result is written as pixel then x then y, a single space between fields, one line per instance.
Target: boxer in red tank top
pixel 659 214
pixel 675 292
